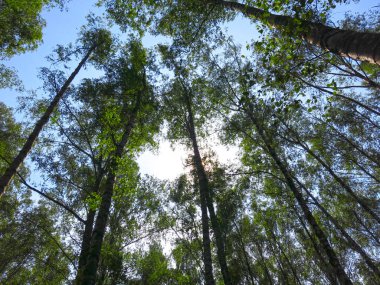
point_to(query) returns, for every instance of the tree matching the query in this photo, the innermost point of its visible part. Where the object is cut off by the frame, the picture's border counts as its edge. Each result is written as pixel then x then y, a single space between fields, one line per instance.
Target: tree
pixel 100 40
pixel 125 130
pixel 21 25
pixel 40 253
pixel 187 96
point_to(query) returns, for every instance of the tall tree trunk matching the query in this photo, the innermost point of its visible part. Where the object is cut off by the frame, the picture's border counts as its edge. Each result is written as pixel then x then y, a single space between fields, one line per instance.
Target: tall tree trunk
pixel 356 45
pixel 206 242
pixel 323 265
pixel 282 252
pixel 18 160
pixel 351 242
pixel 374 236
pixel 205 189
pixel 90 269
pixel 344 185
pixel 334 265
pixel 263 263
pixel 246 259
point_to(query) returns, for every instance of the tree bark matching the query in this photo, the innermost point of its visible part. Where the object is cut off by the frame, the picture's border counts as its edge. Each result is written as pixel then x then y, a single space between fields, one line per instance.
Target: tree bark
pixel 356 45
pixel 323 265
pixel 282 252
pixel 18 160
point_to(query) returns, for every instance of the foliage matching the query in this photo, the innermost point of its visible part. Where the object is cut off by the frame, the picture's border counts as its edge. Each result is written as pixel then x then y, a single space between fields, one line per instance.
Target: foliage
pixel 300 201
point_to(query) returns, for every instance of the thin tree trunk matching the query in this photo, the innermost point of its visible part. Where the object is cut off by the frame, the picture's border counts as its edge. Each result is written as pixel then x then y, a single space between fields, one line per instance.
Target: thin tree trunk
pixel 205 189
pixel 286 257
pixel 356 45
pixel 18 160
pixel 262 258
pixel 334 265
pixel 340 181
pixel 206 242
pixel 90 269
pixel 367 230
pixel 246 259
pixel 351 242
pixel 323 265
pixel 87 233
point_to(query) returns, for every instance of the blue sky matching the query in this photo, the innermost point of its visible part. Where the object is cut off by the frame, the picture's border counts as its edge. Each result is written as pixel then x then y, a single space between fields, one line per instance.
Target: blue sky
pixel 63 26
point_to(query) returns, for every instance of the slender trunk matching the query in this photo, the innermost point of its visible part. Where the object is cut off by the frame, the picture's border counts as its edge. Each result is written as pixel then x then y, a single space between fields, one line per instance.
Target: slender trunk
pixel 286 258
pixel 334 265
pixel 205 189
pixel 340 181
pixel 356 45
pixel 90 269
pixel 367 230
pixel 356 146
pixel 206 242
pixel 351 242
pixel 87 233
pixel 365 171
pixel 262 258
pixel 323 265
pixel 18 160
pixel 277 256
pixel 246 259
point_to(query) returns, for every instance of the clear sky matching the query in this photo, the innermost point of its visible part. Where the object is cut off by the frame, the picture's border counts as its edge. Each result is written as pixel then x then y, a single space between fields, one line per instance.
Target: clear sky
pixel 63 26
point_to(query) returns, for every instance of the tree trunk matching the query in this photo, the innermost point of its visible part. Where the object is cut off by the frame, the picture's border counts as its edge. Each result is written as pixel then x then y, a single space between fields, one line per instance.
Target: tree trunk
pixel 334 265
pixel 90 269
pixel 263 263
pixel 344 185
pixel 282 252
pixel 351 242
pixel 205 189
pixel 356 45
pixel 86 241
pixel 18 160
pixel 206 242
pixel 246 259
pixel 323 265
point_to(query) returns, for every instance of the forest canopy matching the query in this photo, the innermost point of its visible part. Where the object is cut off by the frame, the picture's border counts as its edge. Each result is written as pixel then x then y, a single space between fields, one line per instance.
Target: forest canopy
pixel 278 136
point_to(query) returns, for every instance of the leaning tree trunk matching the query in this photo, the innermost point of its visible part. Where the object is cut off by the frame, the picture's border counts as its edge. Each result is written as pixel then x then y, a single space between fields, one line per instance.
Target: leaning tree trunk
pixel 18 160
pixel 205 190
pixel 91 267
pixel 356 45
pixel 344 185
pixel 335 267
pixel 350 241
